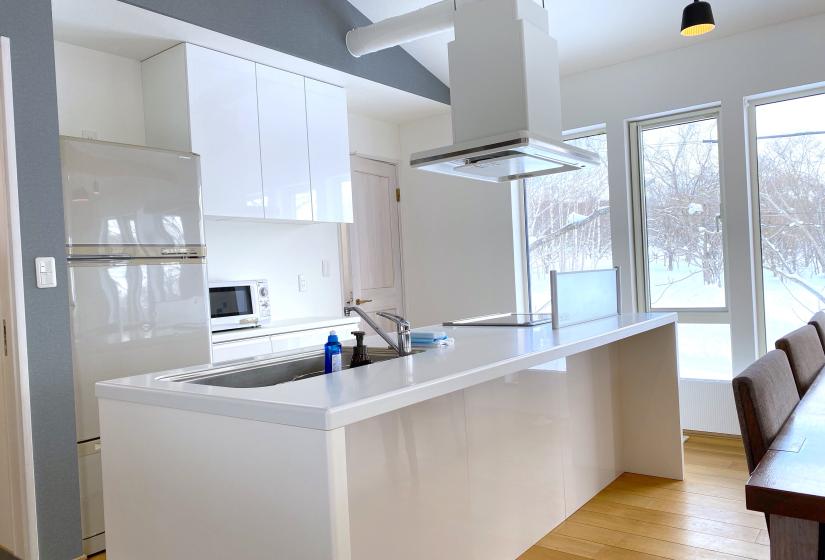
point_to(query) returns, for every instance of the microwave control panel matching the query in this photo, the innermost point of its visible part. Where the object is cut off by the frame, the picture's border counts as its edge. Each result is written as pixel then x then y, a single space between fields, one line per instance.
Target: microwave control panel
pixel 264 309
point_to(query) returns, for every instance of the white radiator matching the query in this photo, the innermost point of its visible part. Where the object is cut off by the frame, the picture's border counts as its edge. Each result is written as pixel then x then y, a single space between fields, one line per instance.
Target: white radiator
pixel 708 406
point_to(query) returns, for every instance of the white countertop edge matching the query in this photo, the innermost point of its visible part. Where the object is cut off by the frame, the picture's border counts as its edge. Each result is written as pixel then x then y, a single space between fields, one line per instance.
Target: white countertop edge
pixel 312 417
pixel 282 327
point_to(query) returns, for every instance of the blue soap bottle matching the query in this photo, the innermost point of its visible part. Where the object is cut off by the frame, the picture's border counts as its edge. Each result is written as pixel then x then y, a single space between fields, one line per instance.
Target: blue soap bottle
pixel 332 353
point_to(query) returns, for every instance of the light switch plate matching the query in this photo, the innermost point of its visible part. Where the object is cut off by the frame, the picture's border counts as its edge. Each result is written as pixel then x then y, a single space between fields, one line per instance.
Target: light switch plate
pixel 302 283
pixel 325 268
pixel 46 275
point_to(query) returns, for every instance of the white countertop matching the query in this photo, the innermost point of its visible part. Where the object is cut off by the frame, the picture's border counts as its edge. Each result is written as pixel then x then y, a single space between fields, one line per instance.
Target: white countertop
pixel 327 402
pixel 283 326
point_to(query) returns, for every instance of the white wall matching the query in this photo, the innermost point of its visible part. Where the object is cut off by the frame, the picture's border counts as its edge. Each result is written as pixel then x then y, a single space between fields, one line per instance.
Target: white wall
pixel 99 92
pixel 244 250
pixel 458 242
pixel 373 138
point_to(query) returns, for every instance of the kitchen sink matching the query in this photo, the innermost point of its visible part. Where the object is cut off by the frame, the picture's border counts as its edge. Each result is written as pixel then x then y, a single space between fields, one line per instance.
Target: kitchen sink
pixel 248 375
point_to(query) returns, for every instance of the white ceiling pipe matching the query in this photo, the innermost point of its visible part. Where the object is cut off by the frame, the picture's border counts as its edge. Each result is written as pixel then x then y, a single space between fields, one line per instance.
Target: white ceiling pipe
pixel 398 30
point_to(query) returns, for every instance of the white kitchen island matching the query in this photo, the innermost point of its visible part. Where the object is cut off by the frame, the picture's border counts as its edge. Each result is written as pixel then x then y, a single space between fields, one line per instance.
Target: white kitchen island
pixel 470 452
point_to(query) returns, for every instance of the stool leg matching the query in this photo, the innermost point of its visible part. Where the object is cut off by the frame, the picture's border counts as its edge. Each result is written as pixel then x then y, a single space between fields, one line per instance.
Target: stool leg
pixel 794 539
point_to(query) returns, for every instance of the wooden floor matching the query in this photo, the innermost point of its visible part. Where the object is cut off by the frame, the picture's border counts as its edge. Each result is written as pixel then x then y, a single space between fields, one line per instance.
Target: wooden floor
pixel 646 518
pixel 642 517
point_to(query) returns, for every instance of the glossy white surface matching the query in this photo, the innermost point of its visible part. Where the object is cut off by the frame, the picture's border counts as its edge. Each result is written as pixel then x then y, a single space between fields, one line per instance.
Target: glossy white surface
pixel 329 164
pixel 106 187
pixel 133 316
pixel 480 354
pixel 238 349
pixel 481 472
pixel 282 125
pixel 286 338
pixel 180 484
pixel 287 326
pixel 223 114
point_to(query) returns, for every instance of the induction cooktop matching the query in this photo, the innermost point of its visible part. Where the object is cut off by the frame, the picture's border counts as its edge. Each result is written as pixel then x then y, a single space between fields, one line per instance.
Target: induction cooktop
pixel 503 320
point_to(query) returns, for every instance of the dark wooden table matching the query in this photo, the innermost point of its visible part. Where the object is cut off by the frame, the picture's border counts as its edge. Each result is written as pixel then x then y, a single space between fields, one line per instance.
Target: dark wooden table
pixel 789 482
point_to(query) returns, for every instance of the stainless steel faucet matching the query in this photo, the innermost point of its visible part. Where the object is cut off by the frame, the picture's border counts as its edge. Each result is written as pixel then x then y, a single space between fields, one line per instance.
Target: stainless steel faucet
pixel 403 345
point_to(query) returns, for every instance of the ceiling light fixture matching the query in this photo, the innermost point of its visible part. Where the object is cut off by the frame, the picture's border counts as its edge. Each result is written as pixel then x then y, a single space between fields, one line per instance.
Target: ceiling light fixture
pixel 697 19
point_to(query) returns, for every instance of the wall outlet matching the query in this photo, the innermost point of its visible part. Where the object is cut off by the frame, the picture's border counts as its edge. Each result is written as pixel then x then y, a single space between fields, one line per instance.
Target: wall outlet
pixel 302 283
pixel 325 268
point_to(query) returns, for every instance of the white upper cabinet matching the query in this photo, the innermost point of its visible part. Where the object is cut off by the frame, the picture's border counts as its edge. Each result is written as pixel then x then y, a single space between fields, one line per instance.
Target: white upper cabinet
pixel 203 101
pixel 328 152
pixel 284 148
pixel 223 115
pixel 273 145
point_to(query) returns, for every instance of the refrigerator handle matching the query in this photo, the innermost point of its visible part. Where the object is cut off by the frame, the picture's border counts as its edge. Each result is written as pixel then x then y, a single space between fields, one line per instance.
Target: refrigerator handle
pixel 108 257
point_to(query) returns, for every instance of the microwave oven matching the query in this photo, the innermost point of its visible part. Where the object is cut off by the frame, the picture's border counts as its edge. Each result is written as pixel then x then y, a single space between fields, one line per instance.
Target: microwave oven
pixel 239 305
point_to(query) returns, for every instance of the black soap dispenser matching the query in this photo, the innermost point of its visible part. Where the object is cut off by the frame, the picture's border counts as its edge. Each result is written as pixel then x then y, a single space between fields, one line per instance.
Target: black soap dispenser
pixel 359 353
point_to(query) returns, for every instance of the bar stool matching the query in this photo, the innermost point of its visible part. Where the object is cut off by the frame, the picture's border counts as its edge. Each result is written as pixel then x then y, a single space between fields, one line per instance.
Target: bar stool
pixel 765 395
pixel 805 354
pixel 818 322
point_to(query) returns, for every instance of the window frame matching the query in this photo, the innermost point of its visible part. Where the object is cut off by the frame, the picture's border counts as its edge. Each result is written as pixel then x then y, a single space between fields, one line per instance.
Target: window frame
pixel 703 315
pixel 752 140
pixel 573 134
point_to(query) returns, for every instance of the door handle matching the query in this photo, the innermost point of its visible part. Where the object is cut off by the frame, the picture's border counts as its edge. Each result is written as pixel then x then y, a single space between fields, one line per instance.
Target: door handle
pixel 360 301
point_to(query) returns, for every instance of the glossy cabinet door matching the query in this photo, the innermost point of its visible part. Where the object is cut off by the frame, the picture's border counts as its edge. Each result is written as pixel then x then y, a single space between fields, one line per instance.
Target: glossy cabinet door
pixel 238 349
pixel 328 152
pixel 284 149
pixel 223 114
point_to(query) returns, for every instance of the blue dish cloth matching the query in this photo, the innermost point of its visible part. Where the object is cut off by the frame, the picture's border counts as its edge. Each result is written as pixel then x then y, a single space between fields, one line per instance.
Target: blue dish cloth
pixel 427 337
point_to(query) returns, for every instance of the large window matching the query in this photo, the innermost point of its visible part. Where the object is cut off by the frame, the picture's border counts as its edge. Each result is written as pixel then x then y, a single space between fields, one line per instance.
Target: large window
pixel 680 237
pixel 790 150
pixel 568 222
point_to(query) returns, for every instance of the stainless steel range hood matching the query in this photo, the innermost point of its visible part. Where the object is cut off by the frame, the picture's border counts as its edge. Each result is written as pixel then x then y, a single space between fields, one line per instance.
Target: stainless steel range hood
pixel 506 157
pixel 504 88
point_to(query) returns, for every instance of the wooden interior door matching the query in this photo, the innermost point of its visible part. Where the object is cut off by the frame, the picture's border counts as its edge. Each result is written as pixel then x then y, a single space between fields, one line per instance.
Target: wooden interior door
pixel 12 477
pixel 372 269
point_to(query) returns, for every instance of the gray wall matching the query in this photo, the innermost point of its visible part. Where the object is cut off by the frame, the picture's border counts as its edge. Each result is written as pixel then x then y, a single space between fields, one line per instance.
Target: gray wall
pixel 28 24
pixel 310 29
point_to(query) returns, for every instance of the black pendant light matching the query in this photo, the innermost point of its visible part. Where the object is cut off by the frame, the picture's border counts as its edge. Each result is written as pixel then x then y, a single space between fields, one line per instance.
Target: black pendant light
pixel 697 19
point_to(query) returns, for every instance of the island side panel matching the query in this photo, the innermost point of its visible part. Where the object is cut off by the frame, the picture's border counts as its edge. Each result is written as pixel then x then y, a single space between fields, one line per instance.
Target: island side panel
pixel 407 481
pixel 516 432
pixel 593 436
pixel 649 389
pixel 181 484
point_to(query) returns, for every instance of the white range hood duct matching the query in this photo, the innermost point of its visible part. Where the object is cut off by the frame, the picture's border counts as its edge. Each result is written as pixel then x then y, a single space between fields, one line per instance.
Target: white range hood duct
pixel 504 88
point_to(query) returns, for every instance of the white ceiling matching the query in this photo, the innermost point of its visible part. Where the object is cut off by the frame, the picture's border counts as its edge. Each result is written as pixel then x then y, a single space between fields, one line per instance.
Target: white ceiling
pixel 597 33
pixel 125 30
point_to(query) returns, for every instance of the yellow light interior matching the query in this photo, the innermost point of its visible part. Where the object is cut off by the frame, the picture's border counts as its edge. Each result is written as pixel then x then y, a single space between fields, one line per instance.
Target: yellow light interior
pixel 695 30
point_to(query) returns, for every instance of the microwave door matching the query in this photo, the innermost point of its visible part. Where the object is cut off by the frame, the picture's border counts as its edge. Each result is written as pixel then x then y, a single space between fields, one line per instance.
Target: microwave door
pixel 232 307
pixel 134 316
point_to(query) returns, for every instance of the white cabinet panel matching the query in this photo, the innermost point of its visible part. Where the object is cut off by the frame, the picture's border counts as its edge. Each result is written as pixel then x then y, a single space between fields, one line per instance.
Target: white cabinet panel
pixel 308 339
pixel 238 349
pixel 284 149
pixel 328 152
pixel 223 114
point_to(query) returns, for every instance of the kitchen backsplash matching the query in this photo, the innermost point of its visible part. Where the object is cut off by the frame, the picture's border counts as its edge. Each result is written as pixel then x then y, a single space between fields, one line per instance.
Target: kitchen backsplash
pixel 280 253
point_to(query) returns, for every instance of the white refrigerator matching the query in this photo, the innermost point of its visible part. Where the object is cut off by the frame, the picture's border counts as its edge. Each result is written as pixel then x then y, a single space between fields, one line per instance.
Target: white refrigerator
pixel 137 281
